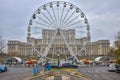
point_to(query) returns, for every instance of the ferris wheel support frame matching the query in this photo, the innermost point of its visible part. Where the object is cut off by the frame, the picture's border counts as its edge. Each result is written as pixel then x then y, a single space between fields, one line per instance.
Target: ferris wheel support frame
pixel 51 43
pixel 47 49
pixel 33 48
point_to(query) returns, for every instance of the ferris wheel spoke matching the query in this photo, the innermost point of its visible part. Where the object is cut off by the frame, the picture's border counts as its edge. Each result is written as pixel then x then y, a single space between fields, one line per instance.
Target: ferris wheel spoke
pixel 58 15
pixel 50 16
pixel 44 20
pixel 46 17
pixel 65 15
pixel 54 15
pixel 75 23
pixel 74 27
pixel 35 27
pixel 69 17
pixel 80 31
pixel 41 24
pixel 78 27
pixel 35 32
pixel 72 19
pixel 61 15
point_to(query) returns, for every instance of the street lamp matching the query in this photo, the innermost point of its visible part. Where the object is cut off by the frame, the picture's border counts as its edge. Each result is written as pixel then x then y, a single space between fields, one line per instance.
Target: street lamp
pixel 58 55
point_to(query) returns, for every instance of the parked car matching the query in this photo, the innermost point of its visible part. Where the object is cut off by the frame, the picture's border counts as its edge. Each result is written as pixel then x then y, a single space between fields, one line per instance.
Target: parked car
pixel 53 65
pixel 69 65
pixel 3 68
pixel 32 62
pixel 118 70
pixel 113 67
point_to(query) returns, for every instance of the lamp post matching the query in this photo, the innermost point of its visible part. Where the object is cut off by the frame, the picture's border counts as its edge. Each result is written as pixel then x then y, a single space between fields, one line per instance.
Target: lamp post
pixel 58 55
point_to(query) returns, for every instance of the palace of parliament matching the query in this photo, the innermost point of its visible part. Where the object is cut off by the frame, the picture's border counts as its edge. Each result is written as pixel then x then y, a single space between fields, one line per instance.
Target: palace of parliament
pixel 80 46
pixel 36 46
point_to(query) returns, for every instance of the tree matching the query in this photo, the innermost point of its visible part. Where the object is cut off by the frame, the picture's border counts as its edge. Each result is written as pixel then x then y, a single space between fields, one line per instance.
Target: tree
pixel 116 51
pixel 117 36
pixel 2 45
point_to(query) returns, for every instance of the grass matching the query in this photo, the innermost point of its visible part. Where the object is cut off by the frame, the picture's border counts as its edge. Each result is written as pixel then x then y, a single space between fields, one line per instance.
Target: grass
pixel 73 72
pixel 70 70
pixel 3 58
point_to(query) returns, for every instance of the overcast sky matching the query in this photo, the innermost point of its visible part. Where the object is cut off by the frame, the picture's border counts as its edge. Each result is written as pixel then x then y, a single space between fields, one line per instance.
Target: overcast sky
pixel 103 17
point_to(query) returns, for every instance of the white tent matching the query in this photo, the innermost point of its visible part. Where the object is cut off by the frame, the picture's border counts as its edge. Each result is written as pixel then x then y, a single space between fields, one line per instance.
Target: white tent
pixel 18 59
pixel 98 59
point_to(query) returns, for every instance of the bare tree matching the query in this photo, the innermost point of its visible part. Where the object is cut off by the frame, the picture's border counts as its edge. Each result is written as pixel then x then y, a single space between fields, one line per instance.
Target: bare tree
pixel 117 39
pixel 117 36
pixel 2 45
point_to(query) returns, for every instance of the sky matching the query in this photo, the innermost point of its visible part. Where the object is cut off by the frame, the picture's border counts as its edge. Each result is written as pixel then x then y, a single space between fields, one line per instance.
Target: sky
pixel 103 17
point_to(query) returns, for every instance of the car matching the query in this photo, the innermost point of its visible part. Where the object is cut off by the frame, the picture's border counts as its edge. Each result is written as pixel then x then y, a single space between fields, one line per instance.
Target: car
pixel 113 67
pixel 118 70
pixel 3 68
pixel 53 65
pixel 69 65
pixel 30 62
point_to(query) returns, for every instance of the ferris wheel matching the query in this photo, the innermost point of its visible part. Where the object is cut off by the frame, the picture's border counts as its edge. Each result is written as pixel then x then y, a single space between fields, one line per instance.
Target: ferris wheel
pixel 58 15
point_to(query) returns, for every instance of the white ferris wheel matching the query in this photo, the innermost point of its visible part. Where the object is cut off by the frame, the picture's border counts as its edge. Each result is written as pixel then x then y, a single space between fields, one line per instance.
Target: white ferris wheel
pixel 58 15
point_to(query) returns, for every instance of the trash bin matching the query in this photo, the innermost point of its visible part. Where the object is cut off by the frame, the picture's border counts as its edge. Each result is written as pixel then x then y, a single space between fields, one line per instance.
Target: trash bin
pixel 35 70
pixel 49 67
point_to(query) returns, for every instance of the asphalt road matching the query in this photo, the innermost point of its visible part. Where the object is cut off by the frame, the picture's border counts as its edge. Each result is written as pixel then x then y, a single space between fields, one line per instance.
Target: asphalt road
pixel 99 73
pixel 94 73
pixel 16 73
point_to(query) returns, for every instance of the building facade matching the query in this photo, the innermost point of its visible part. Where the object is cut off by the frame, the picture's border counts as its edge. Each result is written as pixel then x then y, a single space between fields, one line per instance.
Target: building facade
pixel 80 46
pixel 100 47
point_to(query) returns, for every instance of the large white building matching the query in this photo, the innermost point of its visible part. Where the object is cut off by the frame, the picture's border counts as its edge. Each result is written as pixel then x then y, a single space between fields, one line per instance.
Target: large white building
pixel 80 46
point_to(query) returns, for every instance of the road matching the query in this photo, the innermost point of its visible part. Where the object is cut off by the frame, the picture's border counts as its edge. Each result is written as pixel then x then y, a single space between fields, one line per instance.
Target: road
pixel 99 73
pixel 94 73
pixel 16 73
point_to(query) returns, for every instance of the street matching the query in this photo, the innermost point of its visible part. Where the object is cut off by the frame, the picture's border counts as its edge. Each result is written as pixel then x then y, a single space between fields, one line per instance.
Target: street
pixel 94 73
pixel 99 73
pixel 16 73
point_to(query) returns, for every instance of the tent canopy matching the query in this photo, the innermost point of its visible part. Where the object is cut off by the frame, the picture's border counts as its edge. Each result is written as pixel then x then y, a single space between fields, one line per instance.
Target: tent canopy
pixel 18 59
pixel 98 59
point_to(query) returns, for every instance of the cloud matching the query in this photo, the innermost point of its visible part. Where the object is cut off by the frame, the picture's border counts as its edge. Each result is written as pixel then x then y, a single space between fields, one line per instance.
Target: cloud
pixel 103 16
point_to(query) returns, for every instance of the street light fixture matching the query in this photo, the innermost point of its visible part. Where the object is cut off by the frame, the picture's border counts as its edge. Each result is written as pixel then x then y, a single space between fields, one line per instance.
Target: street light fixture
pixel 58 55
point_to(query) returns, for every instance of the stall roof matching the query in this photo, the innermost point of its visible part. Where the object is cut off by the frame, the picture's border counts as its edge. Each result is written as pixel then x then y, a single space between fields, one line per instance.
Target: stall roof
pixel 98 58
pixel 19 59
